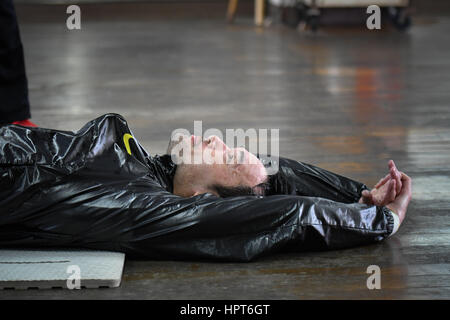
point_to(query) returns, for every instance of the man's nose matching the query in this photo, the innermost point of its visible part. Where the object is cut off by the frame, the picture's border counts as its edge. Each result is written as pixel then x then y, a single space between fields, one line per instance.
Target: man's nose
pixel 217 143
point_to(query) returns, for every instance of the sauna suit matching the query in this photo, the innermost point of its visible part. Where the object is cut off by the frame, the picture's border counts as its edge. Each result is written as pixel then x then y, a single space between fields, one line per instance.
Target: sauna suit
pixel 98 188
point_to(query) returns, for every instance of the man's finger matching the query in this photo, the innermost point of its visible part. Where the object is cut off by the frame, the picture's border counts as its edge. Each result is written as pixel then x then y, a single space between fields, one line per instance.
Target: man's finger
pixel 395 174
pixel 383 181
pixel 389 195
pixel 392 191
pixel 406 185
pixel 405 176
pixel 391 164
pixel 393 169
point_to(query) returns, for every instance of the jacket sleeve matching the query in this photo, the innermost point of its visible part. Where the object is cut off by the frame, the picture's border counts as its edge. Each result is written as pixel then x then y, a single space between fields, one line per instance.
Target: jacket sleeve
pixel 299 178
pixel 244 228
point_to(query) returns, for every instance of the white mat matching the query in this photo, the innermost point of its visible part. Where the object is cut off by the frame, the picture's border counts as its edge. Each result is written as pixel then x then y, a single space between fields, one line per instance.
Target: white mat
pixel 68 269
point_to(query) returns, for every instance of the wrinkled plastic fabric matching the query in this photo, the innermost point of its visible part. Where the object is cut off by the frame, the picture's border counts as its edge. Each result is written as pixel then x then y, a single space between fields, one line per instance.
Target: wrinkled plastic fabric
pixel 94 189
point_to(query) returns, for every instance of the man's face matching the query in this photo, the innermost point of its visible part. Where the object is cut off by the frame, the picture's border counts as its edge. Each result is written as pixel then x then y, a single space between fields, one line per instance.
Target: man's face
pixel 209 162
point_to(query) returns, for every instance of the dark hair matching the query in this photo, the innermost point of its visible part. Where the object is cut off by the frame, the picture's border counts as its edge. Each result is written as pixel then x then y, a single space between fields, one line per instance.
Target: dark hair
pixel 225 192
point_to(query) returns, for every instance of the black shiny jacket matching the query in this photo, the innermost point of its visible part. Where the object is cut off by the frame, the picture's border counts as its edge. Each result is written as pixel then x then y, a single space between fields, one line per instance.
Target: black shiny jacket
pixel 99 189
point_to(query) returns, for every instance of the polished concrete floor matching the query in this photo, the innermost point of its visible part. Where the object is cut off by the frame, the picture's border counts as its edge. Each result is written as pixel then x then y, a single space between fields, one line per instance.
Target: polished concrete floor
pixel 346 99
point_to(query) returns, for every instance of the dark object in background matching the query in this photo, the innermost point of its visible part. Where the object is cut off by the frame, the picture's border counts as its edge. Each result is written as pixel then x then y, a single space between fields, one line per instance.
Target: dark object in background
pixel 14 103
pixel 399 17
pixel 97 188
pixel 313 18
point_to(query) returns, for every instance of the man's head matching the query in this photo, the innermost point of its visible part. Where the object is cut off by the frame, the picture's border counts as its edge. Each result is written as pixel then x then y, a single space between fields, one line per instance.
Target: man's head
pixel 219 170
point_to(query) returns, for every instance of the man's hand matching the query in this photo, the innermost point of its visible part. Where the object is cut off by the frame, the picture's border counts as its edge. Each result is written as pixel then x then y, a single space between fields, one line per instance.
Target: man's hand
pixel 386 190
pixel 400 204
pixel 393 174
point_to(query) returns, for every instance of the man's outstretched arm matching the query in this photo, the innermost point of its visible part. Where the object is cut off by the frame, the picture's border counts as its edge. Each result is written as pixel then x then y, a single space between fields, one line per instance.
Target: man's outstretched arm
pixel 295 177
pixel 303 179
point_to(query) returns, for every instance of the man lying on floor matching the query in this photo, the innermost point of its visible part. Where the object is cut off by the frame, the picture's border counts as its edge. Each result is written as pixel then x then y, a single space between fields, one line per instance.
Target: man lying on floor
pixel 97 188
